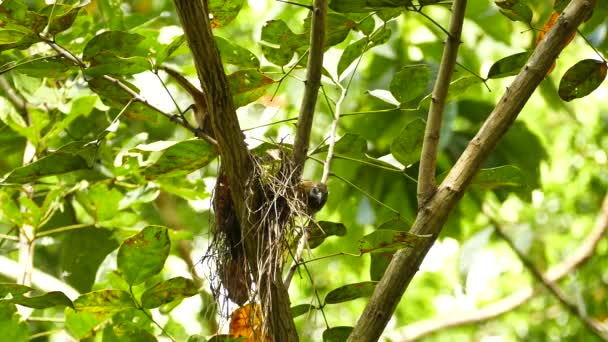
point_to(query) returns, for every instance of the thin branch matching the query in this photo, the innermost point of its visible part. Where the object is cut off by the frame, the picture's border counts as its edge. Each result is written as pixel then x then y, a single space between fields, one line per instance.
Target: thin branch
pixel 434 212
pixel 594 326
pixel 326 170
pixel 428 159
pixel 134 95
pixel 63 229
pixel 313 82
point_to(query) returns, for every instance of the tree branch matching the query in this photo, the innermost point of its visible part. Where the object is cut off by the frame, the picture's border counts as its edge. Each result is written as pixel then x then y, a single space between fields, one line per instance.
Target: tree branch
pixel 582 254
pixel 236 161
pixel 428 158
pixel 594 326
pixel 434 212
pixel 313 82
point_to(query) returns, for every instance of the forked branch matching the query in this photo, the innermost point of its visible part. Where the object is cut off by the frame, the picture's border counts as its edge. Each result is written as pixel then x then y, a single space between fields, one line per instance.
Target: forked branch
pixel 434 212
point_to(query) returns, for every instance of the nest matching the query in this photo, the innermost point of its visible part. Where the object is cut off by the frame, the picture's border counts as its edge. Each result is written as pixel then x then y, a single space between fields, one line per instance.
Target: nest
pixel 276 206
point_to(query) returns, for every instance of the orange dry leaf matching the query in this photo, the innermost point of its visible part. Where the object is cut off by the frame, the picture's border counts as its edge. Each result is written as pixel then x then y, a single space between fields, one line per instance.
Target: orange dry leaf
pixel 246 321
pixel 548 25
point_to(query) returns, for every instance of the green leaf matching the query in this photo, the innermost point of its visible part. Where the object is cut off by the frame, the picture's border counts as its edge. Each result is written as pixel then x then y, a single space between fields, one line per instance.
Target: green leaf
pixel 81 106
pixel 224 11
pixel 106 63
pixel 61 17
pixel 118 43
pixel 248 85
pixel 168 291
pixel 47 300
pixel 167 50
pixel 337 334
pixel 82 324
pixel 385 240
pixel 560 5
pixel 114 96
pixel 516 10
pixel 82 252
pixel 499 177
pixel 509 66
pixel 13 328
pixel 581 79
pixel 128 332
pixel 358 48
pixel 410 82
pixel 236 54
pixel 350 292
pixel 301 309
pixel 324 229
pixel 407 146
pixel 279 42
pixel 457 88
pixel 104 302
pixel 143 254
pixel 380 261
pixel 55 163
pixel 40 66
pixel 359 6
pixel 181 159
pixel 100 201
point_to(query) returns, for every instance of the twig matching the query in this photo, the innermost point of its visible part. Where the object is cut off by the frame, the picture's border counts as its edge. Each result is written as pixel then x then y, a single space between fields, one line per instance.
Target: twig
pixel 594 326
pixel 326 171
pixel 63 229
pixel 313 82
pixel 135 96
pixel 434 213
pixel 428 159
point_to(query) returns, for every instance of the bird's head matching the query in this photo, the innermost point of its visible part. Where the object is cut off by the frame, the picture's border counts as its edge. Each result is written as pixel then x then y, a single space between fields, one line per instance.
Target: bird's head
pixel 315 194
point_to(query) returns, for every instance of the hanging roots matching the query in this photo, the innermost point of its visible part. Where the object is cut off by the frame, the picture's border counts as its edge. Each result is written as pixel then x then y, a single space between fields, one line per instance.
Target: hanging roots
pixel 275 206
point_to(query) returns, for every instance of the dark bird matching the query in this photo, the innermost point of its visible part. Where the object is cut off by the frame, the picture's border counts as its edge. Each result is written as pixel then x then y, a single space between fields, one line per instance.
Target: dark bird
pixel 315 194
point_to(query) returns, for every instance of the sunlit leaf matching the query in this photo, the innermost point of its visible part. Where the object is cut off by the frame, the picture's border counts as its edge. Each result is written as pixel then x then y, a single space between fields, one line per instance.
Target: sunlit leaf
pixel 247 86
pixel 351 292
pixel 143 254
pixel 104 302
pixel 499 177
pixel 168 291
pixel 385 240
pixel 82 323
pixel 236 54
pixel 516 10
pixel 181 159
pixel 581 79
pixel 224 11
pixel 11 324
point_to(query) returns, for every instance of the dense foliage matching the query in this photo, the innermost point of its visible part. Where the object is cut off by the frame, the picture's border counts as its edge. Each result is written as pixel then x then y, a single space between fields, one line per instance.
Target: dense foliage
pixel 105 197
